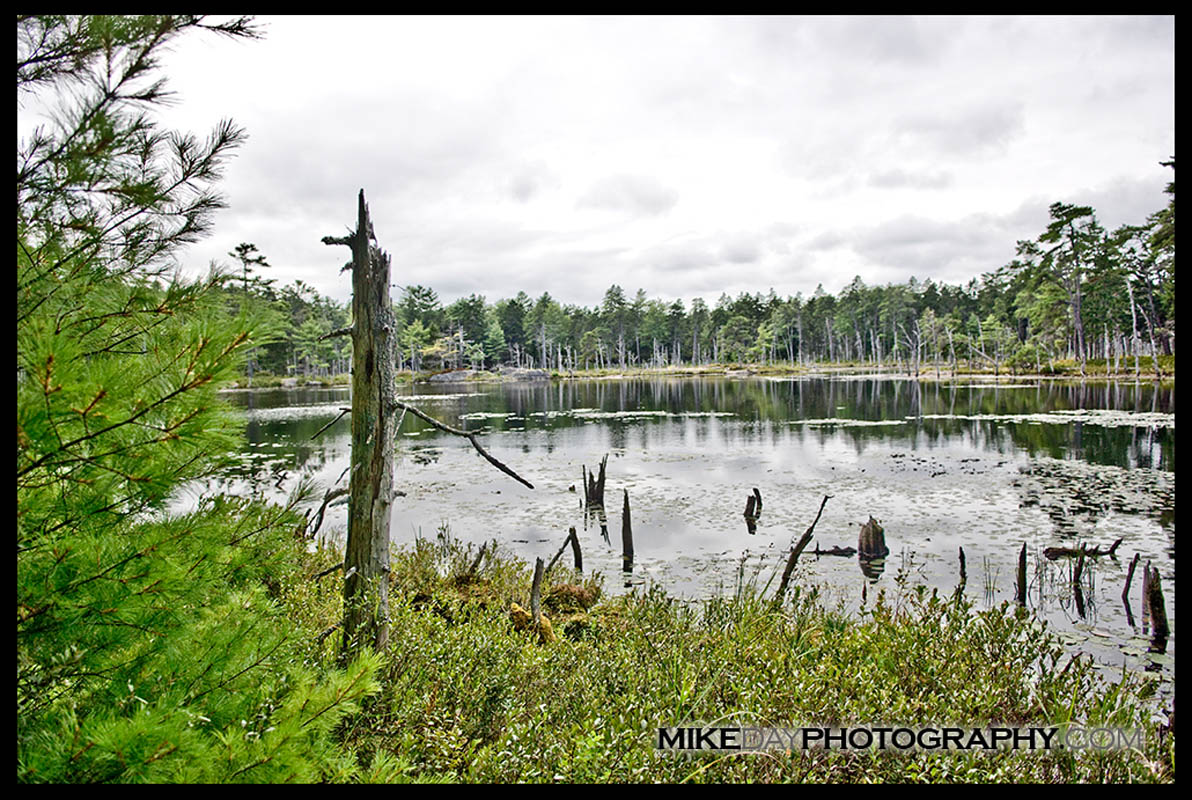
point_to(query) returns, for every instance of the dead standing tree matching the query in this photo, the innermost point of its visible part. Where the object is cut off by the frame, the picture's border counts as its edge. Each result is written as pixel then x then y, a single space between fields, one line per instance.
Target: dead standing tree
pixel 374 403
pixel 366 560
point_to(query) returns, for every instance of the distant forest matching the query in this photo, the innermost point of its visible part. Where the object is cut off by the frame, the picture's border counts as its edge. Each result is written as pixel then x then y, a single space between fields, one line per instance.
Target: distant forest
pixel 1075 292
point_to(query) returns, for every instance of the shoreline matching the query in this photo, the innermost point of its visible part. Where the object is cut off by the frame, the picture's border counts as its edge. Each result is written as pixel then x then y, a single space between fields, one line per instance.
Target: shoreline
pixel 735 371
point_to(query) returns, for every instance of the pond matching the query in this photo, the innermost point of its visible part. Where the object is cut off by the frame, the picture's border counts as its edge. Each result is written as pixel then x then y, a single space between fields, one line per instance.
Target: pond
pixel 978 465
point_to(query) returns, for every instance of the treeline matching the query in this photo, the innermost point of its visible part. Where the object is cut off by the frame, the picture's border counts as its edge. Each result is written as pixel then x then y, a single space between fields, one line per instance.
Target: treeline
pixel 1076 292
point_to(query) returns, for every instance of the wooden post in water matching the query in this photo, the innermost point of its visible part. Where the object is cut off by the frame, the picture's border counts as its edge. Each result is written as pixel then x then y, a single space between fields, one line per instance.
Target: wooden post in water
pixel 963 573
pixel 1146 597
pixel 579 558
pixel 1021 582
pixel 626 534
pixel 1154 601
pixel 1129 579
pixel 753 510
pixel 599 499
pixel 594 484
pixel 366 560
pixel 1077 590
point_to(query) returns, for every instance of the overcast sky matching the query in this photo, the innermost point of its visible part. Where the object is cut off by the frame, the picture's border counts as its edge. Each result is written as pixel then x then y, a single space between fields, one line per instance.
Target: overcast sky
pixel 685 156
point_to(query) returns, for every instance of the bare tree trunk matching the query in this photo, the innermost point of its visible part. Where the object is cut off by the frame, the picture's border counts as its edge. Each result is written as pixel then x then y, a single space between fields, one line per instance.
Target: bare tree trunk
pixel 366 560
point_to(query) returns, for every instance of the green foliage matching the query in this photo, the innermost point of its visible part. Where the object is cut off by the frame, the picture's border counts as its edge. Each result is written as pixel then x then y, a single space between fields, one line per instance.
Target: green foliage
pixel 468 697
pixel 150 644
pixel 737 337
pixel 494 341
pixel 1071 285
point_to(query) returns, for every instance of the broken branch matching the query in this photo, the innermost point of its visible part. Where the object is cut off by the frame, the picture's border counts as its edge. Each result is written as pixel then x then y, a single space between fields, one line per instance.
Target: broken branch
pixel 337 332
pixel 471 437
pixel 332 494
pixel 804 540
pixel 342 412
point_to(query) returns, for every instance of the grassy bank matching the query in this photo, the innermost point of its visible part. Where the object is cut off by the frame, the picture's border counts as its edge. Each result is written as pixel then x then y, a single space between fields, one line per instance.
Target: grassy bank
pixel 1069 368
pixel 468 697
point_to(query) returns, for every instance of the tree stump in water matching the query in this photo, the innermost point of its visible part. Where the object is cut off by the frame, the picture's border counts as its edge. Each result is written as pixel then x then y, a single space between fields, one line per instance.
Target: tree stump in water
pixel 1020 578
pixel 752 511
pixel 594 484
pixel 1157 610
pixel 626 537
pixel 872 541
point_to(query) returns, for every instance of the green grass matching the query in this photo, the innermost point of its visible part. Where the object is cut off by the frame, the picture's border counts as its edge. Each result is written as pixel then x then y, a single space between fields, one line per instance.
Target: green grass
pixel 1101 366
pixel 467 697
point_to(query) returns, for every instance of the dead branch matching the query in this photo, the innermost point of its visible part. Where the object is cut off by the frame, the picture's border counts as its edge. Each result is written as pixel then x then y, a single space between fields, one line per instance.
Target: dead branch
pixel 332 494
pixel 562 548
pixel 804 540
pixel 836 550
pixel 1052 553
pixel 1129 579
pixel 342 413
pixel 326 633
pixel 328 571
pixel 471 437
pixel 337 332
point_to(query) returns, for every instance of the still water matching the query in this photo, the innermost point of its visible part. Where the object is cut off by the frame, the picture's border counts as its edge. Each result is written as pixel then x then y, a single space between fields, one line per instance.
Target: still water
pixel 941 465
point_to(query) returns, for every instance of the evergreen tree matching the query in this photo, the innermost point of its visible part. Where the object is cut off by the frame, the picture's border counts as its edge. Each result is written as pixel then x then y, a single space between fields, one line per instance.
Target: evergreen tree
pixel 148 646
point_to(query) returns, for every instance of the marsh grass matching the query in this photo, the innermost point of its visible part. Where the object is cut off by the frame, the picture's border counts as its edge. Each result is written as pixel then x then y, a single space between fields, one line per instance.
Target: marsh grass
pixel 991 573
pixel 466 697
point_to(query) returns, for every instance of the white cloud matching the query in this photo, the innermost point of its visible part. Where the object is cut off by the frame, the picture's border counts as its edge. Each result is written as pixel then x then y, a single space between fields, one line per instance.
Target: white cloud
pixel 633 194
pixel 565 154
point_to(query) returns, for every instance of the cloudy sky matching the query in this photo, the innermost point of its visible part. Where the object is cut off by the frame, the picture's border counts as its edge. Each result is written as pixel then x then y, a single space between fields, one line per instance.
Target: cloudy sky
pixel 684 156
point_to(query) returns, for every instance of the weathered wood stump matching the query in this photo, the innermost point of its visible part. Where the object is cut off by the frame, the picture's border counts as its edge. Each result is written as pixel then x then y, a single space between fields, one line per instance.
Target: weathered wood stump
pixel 1158 612
pixel 1146 594
pixel 1077 589
pixel 1129 580
pixel 626 537
pixel 579 558
pixel 871 543
pixel 753 510
pixel 1020 582
pixel 594 484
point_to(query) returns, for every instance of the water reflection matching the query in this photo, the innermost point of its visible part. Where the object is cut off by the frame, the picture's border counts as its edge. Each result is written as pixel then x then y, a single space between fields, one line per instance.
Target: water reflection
pixel 944 466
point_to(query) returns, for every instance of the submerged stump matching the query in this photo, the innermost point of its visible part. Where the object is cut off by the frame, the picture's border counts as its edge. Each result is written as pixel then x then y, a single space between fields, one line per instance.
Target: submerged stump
pixel 871 543
pixel 1158 612
pixel 1020 583
pixel 626 536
